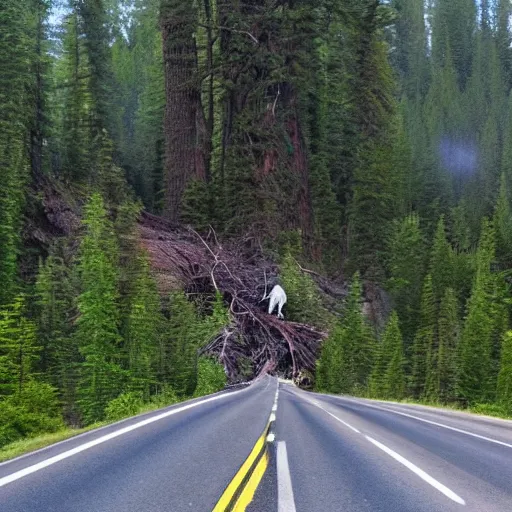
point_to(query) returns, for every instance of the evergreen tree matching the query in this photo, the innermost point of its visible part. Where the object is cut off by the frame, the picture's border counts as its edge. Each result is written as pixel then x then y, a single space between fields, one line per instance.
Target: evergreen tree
pixel 18 348
pixel 180 345
pixel 411 50
pixel 406 261
pixel 504 391
pixel 304 303
pixel 55 294
pixel 444 381
pixel 502 222
pixel 474 382
pixel 388 375
pixel 424 341
pixel 394 378
pixel 17 107
pixel 346 360
pixel 441 262
pixel 453 29
pixel 145 323
pixel 98 322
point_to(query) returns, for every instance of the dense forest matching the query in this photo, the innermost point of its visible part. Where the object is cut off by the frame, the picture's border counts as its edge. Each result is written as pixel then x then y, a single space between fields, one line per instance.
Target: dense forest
pixel 361 146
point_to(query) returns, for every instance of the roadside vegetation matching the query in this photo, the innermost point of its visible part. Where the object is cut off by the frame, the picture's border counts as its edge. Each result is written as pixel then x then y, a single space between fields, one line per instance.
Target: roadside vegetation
pixel 358 152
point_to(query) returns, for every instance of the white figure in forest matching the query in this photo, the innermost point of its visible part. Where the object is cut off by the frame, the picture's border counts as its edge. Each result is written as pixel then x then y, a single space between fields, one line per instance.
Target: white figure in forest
pixel 277 297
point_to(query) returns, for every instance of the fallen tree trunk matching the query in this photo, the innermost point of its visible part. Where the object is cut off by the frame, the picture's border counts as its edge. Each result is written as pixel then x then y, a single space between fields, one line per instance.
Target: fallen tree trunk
pixel 183 258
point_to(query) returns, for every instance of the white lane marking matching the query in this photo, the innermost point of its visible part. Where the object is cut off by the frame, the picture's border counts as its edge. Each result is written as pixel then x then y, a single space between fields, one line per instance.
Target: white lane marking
pixel 272 418
pixel 274 407
pixel 271 438
pixel 335 417
pixel 285 499
pixel 460 431
pixel 415 469
pixel 69 453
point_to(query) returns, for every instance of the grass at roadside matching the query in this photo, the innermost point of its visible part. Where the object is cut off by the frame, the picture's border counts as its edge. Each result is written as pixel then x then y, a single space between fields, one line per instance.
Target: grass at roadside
pixel 491 410
pixel 30 444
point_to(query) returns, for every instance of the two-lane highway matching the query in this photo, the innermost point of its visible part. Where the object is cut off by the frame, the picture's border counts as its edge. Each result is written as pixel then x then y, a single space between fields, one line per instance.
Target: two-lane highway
pixel 325 454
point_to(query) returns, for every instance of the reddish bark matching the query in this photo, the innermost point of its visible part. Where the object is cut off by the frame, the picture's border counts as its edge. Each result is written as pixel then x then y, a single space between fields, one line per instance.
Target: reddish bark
pixel 184 156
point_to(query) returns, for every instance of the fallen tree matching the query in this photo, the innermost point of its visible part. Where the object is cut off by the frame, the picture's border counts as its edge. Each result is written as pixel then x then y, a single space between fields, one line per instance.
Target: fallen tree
pixel 203 265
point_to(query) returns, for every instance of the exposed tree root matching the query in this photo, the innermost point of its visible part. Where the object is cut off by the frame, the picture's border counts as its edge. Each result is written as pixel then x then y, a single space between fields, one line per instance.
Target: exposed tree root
pixel 255 341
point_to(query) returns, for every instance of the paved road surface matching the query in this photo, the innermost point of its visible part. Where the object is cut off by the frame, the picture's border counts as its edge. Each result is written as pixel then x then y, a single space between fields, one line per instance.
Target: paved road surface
pixel 356 455
pixel 329 454
pixel 182 462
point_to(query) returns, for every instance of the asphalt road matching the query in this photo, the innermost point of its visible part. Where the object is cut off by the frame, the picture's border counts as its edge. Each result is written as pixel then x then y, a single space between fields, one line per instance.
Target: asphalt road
pixel 181 462
pixel 353 455
pixel 329 454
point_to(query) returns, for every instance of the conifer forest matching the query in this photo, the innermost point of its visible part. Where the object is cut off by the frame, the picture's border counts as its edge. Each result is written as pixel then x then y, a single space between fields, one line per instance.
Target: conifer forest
pixel 163 163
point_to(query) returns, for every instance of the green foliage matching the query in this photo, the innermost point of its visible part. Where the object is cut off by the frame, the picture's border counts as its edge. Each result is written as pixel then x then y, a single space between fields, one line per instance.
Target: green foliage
pixel 444 380
pixel 98 322
pixel 504 390
pixel 124 406
pixel 18 348
pixel 502 222
pixel 441 262
pixel 210 377
pixel 143 333
pixel 475 355
pixel 346 358
pixel 304 303
pixel 34 412
pixel 186 334
pixel 406 259
pixel 17 108
pixel 424 342
pixel 196 207
pixel 388 375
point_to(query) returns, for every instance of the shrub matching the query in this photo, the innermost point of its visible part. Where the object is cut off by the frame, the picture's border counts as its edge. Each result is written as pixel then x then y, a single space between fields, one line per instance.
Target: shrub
pixel 124 406
pixel 210 377
pixel 33 413
pixel 167 396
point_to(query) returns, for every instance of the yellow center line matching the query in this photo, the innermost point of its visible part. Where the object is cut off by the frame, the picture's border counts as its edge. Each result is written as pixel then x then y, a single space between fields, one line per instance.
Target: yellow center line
pixel 249 490
pixel 253 482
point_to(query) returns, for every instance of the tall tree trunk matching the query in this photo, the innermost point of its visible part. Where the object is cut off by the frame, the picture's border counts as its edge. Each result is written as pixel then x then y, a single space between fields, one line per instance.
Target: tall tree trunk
pixel 184 159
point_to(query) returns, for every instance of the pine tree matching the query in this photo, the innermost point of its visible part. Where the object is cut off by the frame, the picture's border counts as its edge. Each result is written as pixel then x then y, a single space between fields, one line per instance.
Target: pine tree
pixel 346 359
pixel 405 266
pixel 453 28
pixel 17 107
pixel 503 37
pixel 18 348
pixel 144 327
pixel 98 322
pixel 441 262
pixel 180 346
pixel 424 341
pixel 502 222
pixel 411 50
pixel 504 390
pixel 330 362
pixel 304 303
pixel 394 378
pixel 74 101
pixel 474 380
pixel 356 343
pixel 388 374
pixel 448 333
pixel 55 294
